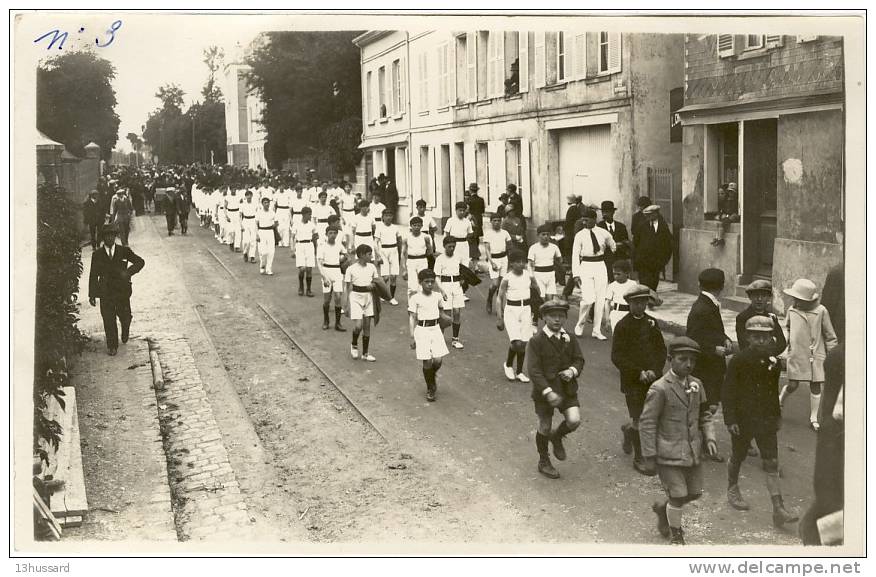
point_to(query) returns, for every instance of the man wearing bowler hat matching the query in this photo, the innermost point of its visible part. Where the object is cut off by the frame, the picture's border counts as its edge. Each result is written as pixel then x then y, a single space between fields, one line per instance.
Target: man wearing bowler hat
pixel 112 267
pixel 652 247
pixel 476 210
pixel 618 231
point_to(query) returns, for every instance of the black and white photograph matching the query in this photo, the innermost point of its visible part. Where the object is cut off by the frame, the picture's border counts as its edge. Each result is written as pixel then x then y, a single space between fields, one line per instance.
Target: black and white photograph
pixel 438 284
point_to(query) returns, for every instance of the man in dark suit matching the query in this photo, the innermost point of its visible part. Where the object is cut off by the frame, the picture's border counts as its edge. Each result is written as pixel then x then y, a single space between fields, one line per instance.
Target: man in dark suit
pixel 652 247
pixel 704 325
pixel 183 206
pixel 92 214
pixel 112 266
pixel 639 217
pixel 618 232
pixel 476 210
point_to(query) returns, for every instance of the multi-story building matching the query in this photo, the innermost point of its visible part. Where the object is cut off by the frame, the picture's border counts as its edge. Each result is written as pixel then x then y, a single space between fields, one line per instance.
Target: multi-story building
pixel 255 130
pixel 764 112
pixel 584 112
pixel 236 112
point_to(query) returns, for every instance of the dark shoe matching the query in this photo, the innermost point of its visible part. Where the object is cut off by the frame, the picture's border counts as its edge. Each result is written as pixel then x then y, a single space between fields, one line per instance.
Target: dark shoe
pixel 559 450
pixel 309 293
pixel 662 522
pixel 781 516
pixel 627 444
pixel 676 536
pixel 430 396
pixel 734 497
pixel 547 469
pixel 340 329
pixel 245 258
pixel 252 259
pixel 752 451
pixel 325 326
pixel 489 307
pixel 639 466
pixel 112 352
pixel 300 291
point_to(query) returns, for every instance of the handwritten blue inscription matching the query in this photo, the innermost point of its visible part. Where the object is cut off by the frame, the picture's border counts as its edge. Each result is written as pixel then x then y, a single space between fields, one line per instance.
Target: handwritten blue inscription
pixel 59 37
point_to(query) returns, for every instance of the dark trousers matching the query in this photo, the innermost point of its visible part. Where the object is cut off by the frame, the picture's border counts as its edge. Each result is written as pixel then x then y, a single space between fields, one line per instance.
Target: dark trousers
pixel 170 217
pixel 763 433
pixel 649 277
pixel 124 230
pixel 184 222
pixel 92 230
pixel 112 308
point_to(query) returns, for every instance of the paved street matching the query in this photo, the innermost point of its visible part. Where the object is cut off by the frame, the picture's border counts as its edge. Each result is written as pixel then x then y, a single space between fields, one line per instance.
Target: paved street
pixel 472 454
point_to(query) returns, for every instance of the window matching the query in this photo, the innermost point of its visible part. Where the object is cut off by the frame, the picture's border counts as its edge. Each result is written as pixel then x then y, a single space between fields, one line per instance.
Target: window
pixel 609 52
pixel 444 74
pixel 482 66
pixel 603 51
pixel 726 45
pixel 426 184
pixel 424 81
pixel 513 163
pixel 482 165
pixel 381 90
pixel 461 69
pixel 511 63
pixel 722 164
pixel 753 41
pixel 370 100
pixel 562 56
pixel 397 95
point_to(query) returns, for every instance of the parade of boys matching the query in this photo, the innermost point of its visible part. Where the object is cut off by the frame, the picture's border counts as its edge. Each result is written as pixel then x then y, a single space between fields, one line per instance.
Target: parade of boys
pixel 352 248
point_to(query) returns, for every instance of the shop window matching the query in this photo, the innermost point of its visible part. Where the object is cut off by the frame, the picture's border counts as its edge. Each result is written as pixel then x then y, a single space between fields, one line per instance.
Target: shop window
pixel 721 194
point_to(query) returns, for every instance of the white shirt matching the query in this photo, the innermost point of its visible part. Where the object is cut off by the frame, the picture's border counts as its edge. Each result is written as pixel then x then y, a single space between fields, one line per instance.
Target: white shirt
pixel 426 307
pixel 330 253
pixel 347 201
pixel 582 246
pixel 416 244
pixel 362 224
pixel 303 230
pixel 497 240
pixel 297 204
pixel 282 200
pixel 110 250
pixel 544 255
pixel 428 222
pixel 266 218
pixel 518 286
pixel 458 228
pixel 375 209
pixel 616 291
pixel 321 212
pixel 446 266
pixel 386 233
pixel 359 275
pixel 249 209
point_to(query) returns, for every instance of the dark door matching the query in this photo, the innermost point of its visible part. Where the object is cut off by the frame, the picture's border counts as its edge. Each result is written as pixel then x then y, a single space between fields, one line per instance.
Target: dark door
pixel 389 156
pixel 759 190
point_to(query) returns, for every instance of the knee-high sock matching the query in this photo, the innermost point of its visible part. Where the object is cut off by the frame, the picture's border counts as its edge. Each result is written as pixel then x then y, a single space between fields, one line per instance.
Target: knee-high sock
pixel 392 290
pixel 542 444
pixel 365 341
pixel 674 515
pixel 562 430
pixel 814 403
pixel 300 279
pixel 520 357
pixel 309 280
pixel 337 315
pixel 325 313
pixel 510 359
pixel 456 327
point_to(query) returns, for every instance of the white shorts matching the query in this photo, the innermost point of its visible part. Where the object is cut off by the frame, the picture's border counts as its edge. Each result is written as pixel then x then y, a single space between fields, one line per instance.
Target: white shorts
pixel 430 343
pixel 547 283
pixel 503 268
pixel 335 279
pixel 462 251
pixel 414 266
pixel 390 261
pixel 518 322
pixel 361 305
pixel 305 254
pixel 455 296
pixel 614 317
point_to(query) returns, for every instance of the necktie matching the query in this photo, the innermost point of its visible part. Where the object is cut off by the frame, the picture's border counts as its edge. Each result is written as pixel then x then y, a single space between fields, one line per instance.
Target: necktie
pixel 595 242
pixel 611 228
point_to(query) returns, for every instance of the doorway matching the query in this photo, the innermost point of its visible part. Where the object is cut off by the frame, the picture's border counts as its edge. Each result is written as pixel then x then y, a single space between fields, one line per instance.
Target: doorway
pixel 759 202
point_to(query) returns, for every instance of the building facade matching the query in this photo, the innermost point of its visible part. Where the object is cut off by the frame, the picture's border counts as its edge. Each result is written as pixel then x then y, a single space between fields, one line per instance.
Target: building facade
pixel 765 113
pixel 255 130
pixel 236 113
pixel 554 113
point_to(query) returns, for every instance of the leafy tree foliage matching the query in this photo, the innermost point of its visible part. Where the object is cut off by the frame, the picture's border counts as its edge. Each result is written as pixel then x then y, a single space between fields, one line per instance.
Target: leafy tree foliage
pixel 311 88
pixel 76 101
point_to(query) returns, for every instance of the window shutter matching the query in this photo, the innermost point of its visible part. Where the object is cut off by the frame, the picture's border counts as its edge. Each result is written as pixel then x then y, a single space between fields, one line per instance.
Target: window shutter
pixel 539 60
pixel 614 52
pixel 568 48
pixel 425 69
pixel 491 63
pixel 500 64
pixel 524 187
pixel 774 41
pixel 801 39
pixel 523 62
pixel 450 56
pixel 470 171
pixel 579 49
pixel 471 56
pixel 726 45
pixel 496 161
pixel 430 188
pixel 402 77
pixel 440 66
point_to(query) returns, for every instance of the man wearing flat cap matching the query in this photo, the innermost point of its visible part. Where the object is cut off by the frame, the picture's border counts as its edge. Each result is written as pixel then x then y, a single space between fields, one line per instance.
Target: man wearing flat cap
pixel 652 247
pixel 109 280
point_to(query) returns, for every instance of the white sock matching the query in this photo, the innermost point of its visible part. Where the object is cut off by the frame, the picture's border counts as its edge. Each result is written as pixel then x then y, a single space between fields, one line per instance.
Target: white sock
pixel 673 514
pixel 783 395
pixel 814 402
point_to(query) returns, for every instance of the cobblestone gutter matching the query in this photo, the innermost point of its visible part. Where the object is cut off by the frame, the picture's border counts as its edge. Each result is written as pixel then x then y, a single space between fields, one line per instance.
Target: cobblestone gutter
pixel 207 501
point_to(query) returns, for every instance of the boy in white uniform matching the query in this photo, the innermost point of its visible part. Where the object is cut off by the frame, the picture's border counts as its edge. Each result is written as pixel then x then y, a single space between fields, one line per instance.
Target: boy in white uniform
pixel 266 221
pixel 347 204
pixel 415 252
pixel 297 204
pixel 357 281
pixel 615 303
pixel 321 213
pixel 544 257
pixel 249 231
pixel 304 238
pixel 447 272
pixel 329 256
pixel 386 237
pixel 232 218
pixel 282 204
pixel 516 313
pixel 376 208
pixel 361 228
pixel 496 243
pixel 220 221
pixel 427 338
pixel 459 228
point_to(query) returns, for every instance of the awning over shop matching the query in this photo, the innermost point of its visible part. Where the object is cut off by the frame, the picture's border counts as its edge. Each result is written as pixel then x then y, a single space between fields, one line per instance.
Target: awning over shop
pixel 757 108
pixel 390 139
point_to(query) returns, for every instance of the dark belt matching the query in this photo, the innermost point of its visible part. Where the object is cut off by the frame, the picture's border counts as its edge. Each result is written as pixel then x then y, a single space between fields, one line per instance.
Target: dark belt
pixel 445 278
pixel 283 207
pixel 244 216
pixel 410 256
pixel 361 289
pixel 523 303
pixel 427 323
pixel 388 245
pixel 457 239
pixel 363 234
pixel 266 228
pixel 618 307
pixel 348 209
pixel 322 220
pixel 232 209
pixel 599 258
pixel 549 268
pixel 499 255
pixel 293 212
pixel 306 240
pixel 327 265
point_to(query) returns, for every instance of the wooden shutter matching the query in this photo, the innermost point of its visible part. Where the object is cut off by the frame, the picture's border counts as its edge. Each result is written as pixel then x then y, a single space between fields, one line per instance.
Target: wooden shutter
pixel 523 62
pixel 774 41
pixel 425 81
pixel 539 59
pixel 432 175
pixel 402 76
pixel 500 64
pixel 471 59
pixel 524 187
pixel 441 67
pixel 579 49
pixel 568 53
pixel 726 45
pixel 496 162
pixel 451 72
pixel 614 52
pixel 469 167
pixel 491 63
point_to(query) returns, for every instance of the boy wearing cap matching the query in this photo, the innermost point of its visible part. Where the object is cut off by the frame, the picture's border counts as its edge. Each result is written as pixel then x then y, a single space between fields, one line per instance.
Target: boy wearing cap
pixel 427 338
pixel 544 257
pixel 751 411
pixel 639 353
pixel 449 283
pixel 304 237
pixel 516 315
pixel 554 361
pixel 386 237
pixel 760 293
pixel 705 326
pixel 416 249
pixel 266 223
pixel 329 256
pixel 616 305
pixel 459 228
pixel 497 243
pixel 674 426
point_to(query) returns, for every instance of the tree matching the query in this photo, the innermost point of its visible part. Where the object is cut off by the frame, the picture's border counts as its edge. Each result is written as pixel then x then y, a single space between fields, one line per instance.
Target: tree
pixel 213 57
pixel 76 102
pixel 171 97
pixel 311 88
